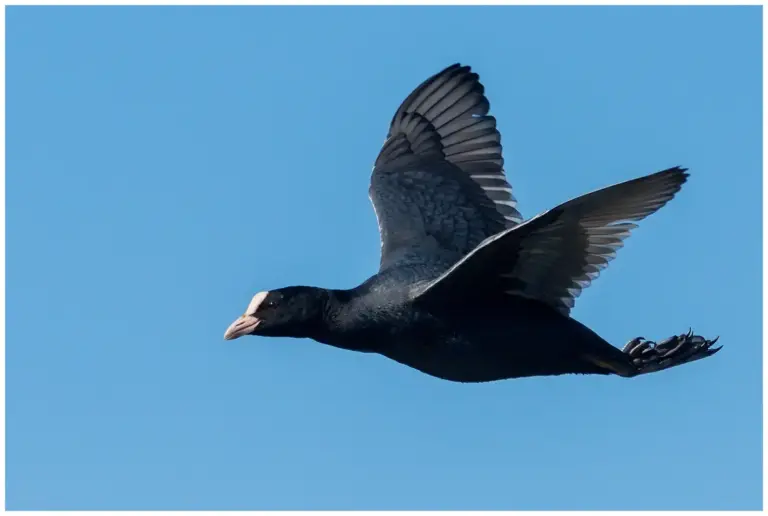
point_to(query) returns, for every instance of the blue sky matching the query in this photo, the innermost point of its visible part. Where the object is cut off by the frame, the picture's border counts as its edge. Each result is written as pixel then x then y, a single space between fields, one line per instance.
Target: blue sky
pixel 164 164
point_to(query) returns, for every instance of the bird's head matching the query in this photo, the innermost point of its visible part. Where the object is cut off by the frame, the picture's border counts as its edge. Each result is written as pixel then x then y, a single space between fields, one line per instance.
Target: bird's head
pixel 285 312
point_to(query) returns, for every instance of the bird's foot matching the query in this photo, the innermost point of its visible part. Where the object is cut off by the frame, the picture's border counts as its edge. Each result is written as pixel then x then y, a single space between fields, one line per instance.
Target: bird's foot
pixel 649 356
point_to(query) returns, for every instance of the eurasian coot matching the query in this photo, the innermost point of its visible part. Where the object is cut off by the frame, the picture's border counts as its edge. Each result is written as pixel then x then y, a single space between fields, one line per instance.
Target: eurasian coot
pixel 466 290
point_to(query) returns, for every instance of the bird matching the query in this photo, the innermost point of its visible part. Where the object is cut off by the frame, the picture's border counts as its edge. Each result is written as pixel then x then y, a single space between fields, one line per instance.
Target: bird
pixel 468 290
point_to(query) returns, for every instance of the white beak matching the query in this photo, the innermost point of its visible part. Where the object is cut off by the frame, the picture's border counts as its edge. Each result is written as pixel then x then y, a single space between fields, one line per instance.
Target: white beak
pixel 242 326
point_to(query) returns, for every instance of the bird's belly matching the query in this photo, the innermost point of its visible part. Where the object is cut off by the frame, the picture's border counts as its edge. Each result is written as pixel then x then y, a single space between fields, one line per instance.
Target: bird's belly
pixel 484 353
pixel 449 362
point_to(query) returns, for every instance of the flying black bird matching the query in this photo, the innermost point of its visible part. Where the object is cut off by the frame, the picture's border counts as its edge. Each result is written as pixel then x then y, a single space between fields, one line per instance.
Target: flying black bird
pixel 466 290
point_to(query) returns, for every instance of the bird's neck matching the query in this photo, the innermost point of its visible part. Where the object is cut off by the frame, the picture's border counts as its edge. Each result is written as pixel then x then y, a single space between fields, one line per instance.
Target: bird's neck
pixel 345 321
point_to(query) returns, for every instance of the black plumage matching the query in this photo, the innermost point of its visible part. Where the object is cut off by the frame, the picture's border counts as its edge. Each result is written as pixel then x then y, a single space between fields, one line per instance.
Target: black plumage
pixel 466 290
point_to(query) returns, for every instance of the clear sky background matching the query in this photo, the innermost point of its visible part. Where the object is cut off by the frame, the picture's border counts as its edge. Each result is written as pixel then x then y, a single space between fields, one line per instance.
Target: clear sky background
pixel 164 164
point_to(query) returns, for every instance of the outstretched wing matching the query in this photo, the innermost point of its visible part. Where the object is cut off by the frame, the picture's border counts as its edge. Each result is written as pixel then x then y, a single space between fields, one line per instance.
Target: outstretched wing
pixel 557 254
pixel 438 185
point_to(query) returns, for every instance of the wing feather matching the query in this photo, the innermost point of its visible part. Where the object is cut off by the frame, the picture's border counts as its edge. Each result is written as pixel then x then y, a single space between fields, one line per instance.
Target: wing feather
pixel 443 129
pixel 557 254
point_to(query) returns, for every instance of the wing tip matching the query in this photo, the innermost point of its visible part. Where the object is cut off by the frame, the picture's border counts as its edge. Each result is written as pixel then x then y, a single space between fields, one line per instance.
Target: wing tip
pixel 674 178
pixel 680 174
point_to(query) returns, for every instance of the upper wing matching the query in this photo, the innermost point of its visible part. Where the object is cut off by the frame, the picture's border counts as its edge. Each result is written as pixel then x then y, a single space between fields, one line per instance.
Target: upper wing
pixel 555 255
pixel 438 182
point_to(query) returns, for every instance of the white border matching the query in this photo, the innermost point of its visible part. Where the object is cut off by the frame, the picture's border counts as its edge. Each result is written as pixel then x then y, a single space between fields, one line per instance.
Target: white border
pixel 359 2
pixel 395 2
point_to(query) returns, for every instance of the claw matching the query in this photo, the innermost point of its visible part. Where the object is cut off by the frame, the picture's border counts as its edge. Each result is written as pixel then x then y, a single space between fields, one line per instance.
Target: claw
pixel 632 344
pixel 639 348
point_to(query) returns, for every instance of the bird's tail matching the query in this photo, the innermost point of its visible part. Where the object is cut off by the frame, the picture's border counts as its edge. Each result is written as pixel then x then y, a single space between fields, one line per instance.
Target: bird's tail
pixel 647 356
